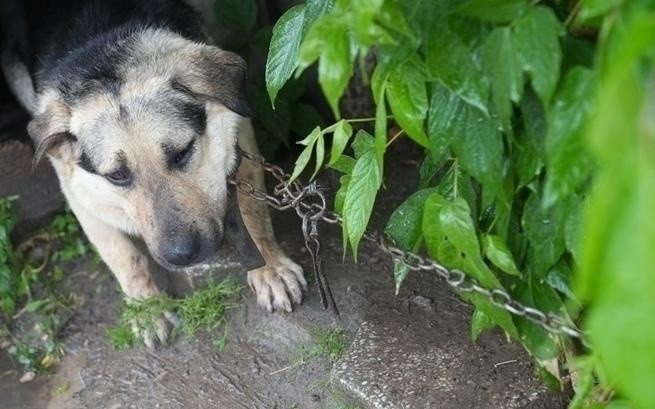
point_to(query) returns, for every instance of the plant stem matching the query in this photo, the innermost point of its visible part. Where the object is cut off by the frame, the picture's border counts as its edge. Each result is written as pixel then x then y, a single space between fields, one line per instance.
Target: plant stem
pixel 332 127
pixel 393 138
pixel 572 14
pixel 455 178
pixel 371 119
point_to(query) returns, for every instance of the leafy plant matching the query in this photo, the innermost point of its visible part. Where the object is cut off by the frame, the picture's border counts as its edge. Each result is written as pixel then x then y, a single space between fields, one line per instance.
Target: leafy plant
pixel 616 274
pixel 8 260
pixel 33 301
pixel 71 242
pixel 527 113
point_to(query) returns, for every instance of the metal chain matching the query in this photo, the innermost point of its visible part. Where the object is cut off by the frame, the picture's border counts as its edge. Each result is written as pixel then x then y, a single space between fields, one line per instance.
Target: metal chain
pixel 310 205
pixel 287 195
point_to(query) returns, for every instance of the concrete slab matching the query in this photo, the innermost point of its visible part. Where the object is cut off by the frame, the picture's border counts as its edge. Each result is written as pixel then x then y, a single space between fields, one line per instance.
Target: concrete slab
pixel 416 367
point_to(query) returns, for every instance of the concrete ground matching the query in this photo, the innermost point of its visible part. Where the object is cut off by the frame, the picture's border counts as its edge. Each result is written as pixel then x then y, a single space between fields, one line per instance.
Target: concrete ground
pixel 408 351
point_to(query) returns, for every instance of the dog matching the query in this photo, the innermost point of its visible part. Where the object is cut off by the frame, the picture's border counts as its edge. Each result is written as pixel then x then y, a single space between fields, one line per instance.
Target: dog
pixel 143 118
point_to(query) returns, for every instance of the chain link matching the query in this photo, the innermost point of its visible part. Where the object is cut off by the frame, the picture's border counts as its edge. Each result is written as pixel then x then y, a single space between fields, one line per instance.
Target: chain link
pixel 291 194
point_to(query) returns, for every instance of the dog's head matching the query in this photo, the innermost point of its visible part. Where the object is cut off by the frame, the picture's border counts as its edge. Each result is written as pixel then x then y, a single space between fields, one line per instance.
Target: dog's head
pixel 148 142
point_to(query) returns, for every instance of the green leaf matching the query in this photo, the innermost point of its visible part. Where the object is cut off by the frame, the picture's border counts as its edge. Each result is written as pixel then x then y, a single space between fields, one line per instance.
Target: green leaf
pixel 400 272
pixel 365 30
pixel 501 62
pixel 545 229
pixel 443 118
pixel 457 183
pixel 473 137
pixel 340 196
pixel 328 40
pixel 499 254
pixel 428 170
pixel 573 230
pixel 238 15
pixel 536 39
pixel 528 147
pixel 389 60
pixel 550 380
pixel 310 139
pixel 284 50
pixel 569 164
pixel 450 237
pixel 451 221
pixel 306 154
pixel 480 322
pixel 365 181
pixel 381 126
pixel 320 154
pixel 559 279
pixel 363 143
pixel 315 9
pixel 537 341
pixel 452 62
pixel 616 269
pixel 592 9
pixel 345 164
pixel 494 11
pixel 339 199
pixel 342 133
pixel 405 223
pixel 405 227
pixel 392 18
pixel 407 95
pixel 421 15
pixel 584 366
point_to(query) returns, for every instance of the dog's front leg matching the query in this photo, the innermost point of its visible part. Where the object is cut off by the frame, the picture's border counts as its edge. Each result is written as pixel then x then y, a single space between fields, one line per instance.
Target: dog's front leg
pixel 280 281
pixel 129 266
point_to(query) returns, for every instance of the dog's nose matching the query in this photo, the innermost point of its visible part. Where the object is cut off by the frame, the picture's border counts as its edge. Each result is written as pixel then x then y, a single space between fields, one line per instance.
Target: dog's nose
pixel 182 251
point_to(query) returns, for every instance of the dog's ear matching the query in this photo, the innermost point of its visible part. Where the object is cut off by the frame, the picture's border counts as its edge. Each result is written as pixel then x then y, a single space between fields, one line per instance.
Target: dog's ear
pixel 217 75
pixel 50 127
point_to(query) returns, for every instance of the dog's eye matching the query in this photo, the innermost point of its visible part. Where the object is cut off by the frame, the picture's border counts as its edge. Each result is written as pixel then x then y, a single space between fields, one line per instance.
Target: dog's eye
pixel 181 158
pixel 119 177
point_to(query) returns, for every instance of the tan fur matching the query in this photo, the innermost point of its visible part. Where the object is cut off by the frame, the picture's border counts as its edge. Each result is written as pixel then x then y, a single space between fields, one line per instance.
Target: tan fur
pixel 281 275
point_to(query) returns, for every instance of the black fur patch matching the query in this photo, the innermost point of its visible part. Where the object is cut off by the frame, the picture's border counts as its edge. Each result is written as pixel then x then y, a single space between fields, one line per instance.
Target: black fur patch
pixel 194 114
pixel 178 158
pixel 67 43
pixel 85 163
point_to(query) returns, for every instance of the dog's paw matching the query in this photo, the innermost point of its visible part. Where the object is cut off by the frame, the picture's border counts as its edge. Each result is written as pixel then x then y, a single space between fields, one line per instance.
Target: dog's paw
pixel 155 331
pixel 278 285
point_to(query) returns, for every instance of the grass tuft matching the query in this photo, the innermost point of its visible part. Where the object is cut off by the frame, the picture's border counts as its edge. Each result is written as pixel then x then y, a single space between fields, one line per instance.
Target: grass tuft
pixel 121 337
pixel 202 311
pixel 206 309
pixel 329 344
pixel 33 300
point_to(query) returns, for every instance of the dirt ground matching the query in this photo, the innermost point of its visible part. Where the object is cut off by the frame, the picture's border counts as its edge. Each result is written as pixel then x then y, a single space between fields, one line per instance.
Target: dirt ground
pixel 411 350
